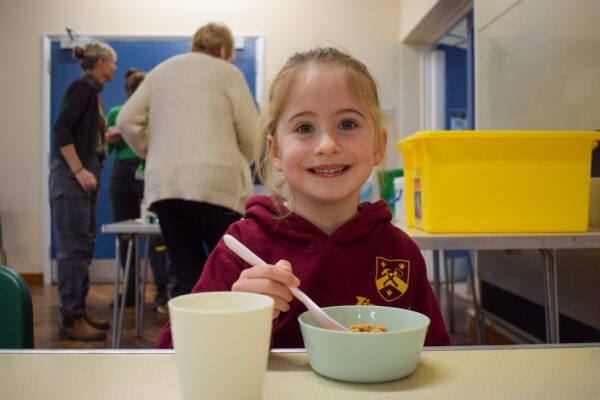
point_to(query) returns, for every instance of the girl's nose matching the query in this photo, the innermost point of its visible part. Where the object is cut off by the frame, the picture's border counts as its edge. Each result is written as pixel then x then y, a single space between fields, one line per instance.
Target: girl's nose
pixel 327 143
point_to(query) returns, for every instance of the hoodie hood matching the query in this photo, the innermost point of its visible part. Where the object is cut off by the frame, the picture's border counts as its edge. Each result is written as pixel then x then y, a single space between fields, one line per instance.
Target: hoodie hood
pixel 266 212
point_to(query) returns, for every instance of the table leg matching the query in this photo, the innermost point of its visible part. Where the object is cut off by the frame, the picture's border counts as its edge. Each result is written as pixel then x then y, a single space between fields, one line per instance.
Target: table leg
pixel 115 320
pixel 124 295
pixel 479 317
pixel 446 309
pixel 551 296
pixel 144 280
pixel 436 276
pixel 139 304
pixel 449 272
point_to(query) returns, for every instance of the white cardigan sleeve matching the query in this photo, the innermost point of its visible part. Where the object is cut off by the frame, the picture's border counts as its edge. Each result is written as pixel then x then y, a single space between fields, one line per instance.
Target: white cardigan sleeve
pixel 133 120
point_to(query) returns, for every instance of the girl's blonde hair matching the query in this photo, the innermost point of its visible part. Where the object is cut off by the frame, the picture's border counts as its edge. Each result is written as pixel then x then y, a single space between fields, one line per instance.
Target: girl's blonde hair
pixel 90 53
pixel 360 83
pixel 210 38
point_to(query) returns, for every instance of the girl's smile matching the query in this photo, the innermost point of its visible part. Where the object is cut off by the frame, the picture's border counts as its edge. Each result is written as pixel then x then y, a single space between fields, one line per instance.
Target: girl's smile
pixel 329 170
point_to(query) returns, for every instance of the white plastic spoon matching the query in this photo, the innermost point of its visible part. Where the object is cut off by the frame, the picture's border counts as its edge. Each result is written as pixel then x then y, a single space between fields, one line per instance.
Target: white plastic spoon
pixel 323 319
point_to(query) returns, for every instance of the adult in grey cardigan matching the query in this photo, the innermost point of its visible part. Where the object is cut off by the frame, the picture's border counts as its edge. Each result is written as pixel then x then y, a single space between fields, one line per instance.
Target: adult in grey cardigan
pixel 193 120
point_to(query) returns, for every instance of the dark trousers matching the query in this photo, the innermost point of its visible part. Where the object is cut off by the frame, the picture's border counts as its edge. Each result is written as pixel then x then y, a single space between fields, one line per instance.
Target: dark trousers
pixel 126 193
pixel 73 213
pixel 188 227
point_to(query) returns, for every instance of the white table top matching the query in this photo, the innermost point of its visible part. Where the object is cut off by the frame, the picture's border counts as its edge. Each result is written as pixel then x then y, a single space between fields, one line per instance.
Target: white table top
pixel 132 226
pixel 437 241
pixel 502 241
pixel 539 372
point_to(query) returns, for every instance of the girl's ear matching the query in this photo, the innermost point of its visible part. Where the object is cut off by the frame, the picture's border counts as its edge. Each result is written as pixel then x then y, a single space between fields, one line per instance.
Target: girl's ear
pixel 273 152
pixel 379 148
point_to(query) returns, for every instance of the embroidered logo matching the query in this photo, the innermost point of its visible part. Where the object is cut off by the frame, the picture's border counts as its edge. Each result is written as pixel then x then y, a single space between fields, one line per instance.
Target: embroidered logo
pixel 391 278
pixel 362 301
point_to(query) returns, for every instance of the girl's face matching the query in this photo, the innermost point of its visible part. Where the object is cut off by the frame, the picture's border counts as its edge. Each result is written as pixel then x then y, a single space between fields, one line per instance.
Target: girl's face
pixel 325 140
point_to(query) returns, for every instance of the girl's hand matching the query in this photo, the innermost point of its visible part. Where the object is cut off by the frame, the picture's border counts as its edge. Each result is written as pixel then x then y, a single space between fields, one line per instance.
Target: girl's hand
pixel 86 180
pixel 272 280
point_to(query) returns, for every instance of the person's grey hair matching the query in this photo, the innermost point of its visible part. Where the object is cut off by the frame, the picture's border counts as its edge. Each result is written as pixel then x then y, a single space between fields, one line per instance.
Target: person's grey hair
pixel 90 53
pixel 211 37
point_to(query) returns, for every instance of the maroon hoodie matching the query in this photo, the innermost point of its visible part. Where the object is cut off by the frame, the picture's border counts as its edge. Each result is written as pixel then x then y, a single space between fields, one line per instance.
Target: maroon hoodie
pixel 365 261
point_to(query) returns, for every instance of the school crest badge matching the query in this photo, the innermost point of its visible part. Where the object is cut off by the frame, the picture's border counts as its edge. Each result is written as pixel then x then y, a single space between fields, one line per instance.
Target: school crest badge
pixel 392 277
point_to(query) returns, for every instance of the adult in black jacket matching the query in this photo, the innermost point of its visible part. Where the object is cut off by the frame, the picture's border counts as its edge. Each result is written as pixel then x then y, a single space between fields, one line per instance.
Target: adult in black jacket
pixel 74 177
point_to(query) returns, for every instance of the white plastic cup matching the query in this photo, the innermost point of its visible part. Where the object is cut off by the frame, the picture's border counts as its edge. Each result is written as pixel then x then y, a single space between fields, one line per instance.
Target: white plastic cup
pixel 221 342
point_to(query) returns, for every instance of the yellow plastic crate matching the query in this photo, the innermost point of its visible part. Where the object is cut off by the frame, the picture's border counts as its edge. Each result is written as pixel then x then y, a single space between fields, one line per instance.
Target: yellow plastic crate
pixel 498 181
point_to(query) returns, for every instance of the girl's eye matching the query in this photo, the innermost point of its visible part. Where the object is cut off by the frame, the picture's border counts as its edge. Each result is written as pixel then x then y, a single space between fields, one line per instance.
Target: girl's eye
pixel 348 124
pixel 305 128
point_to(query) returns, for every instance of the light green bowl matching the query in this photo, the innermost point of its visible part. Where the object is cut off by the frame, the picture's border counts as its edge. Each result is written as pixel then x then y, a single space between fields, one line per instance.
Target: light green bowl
pixel 365 357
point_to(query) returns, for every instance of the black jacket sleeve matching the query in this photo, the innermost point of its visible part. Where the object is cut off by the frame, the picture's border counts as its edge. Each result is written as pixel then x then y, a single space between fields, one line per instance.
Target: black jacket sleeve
pixel 76 102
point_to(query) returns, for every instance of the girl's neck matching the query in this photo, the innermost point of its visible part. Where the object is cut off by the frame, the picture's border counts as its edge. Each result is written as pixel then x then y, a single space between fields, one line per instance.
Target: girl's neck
pixel 326 216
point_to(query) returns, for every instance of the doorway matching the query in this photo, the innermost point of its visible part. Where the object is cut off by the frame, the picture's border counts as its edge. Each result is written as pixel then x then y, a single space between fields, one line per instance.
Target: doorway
pixel 451 76
pixel 142 53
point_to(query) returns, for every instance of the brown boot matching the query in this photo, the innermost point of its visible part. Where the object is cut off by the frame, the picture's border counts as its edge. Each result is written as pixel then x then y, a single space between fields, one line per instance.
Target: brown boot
pixel 78 329
pixel 98 323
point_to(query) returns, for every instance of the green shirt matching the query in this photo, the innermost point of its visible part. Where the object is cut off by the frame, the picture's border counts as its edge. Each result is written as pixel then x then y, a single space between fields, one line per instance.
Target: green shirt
pixel 123 152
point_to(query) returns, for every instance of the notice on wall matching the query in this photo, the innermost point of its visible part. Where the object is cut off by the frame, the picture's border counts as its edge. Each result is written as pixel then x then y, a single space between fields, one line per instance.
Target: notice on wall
pixel 458 120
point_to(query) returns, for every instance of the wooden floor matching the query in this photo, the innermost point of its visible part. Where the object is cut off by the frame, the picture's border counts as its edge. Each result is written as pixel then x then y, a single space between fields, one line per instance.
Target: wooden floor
pixel 47 319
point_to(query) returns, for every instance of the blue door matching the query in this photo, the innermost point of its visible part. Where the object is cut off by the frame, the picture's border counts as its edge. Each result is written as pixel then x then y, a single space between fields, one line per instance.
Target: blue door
pixel 143 55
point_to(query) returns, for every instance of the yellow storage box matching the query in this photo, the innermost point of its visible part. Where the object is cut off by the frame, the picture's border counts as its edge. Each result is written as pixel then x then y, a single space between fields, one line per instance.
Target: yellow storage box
pixel 498 181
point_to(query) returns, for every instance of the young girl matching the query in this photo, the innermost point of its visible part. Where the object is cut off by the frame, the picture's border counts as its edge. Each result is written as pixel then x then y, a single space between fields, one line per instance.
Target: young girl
pixel 322 131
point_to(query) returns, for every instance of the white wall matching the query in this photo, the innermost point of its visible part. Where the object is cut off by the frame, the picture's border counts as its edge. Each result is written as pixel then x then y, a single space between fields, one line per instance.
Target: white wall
pixel 538 68
pixel 537 64
pixel 422 23
pixel 369 30
pixel 413 12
